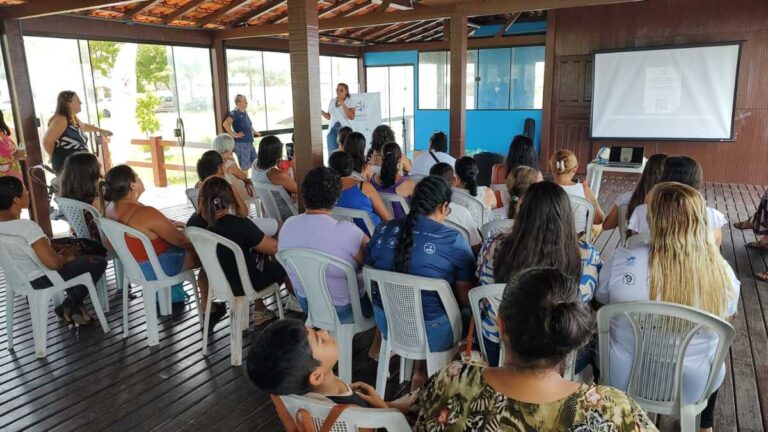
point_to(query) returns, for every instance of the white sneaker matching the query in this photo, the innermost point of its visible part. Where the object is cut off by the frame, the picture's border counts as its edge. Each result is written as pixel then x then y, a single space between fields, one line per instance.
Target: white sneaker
pixel 259 317
pixel 292 304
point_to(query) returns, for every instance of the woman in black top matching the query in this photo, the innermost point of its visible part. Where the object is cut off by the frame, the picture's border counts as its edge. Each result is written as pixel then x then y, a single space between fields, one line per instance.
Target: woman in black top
pixel 216 206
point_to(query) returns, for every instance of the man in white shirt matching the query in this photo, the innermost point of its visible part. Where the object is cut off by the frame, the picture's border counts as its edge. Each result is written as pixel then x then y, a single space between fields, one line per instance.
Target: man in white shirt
pixel 438 148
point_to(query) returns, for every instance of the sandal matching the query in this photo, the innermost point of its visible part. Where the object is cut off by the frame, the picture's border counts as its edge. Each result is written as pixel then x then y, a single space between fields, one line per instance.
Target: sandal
pixel 762 276
pixel 747 224
pixel 59 311
pixel 757 245
pixel 80 320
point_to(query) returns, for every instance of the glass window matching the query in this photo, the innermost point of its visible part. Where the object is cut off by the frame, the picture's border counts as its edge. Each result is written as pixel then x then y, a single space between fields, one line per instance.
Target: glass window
pixel 245 76
pixel 194 88
pixel 527 77
pixel 395 86
pixel 327 89
pixel 345 71
pixel 471 78
pixel 277 83
pixel 434 80
pixel 494 71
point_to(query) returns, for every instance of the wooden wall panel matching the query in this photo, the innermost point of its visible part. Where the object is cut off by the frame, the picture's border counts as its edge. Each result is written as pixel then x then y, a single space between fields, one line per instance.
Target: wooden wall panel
pixel 579 32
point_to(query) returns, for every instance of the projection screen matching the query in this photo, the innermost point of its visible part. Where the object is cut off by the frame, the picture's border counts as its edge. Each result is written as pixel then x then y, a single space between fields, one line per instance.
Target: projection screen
pixel 679 93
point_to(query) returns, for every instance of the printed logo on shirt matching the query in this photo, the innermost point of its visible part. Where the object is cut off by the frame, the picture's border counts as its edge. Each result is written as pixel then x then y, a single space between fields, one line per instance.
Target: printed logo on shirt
pixel 383 229
pixel 429 248
pixel 395 230
pixel 629 278
pixel 631 260
pixel 391 243
pixel 379 242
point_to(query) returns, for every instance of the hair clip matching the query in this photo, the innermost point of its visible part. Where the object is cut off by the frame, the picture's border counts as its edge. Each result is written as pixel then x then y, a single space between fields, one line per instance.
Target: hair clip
pixel 514 198
pixel 560 165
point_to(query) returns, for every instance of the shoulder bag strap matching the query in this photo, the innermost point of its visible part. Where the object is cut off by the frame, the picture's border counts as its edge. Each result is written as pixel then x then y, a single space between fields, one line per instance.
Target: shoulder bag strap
pixel 434 157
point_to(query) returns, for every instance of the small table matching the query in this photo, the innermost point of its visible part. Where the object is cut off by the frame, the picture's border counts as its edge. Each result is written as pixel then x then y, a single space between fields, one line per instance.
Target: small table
pixel 595 173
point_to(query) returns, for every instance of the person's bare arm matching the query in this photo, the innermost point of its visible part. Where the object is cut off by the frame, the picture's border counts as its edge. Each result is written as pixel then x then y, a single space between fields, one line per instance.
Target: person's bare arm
pixel 348 111
pixel 407 165
pixel 91 128
pixel 612 220
pixel 718 236
pixel 267 246
pixel 241 208
pixel 282 178
pixel 228 127
pixel 55 129
pixel 164 228
pixel 406 188
pixel 599 215
pixel 325 115
pixel 489 198
pixel 47 255
pixel 378 205
pixel 237 172
pixel 461 289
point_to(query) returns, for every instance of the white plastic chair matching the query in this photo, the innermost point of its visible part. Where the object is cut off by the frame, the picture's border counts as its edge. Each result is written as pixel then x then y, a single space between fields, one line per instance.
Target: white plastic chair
pixel 623 221
pixel 17 283
pixel 192 195
pixel 580 204
pixel 461 229
pixel 268 195
pixel 406 332
pixel 116 234
pixel 351 419
pixel 350 215
pixel 206 245
pixel 480 213
pixel 492 294
pixel 416 178
pixel 310 266
pixel 389 199
pixel 74 213
pixel 637 240
pixel 493 227
pixel 663 332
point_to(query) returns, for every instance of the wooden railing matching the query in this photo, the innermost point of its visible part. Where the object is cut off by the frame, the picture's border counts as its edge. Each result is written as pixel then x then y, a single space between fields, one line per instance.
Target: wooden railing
pixel 157 152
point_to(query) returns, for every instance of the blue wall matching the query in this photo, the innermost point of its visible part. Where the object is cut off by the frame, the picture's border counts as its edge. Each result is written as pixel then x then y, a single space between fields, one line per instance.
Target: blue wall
pixel 487 130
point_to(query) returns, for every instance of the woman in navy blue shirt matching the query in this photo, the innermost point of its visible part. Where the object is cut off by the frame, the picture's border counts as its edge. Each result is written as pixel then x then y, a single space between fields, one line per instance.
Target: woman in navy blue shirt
pixel 422 246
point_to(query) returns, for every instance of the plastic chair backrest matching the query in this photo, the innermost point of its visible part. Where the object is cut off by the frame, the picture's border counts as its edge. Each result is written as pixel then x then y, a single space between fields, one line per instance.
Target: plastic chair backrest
pixel 14 277
pixel 310 266
pixel 416 178
pixel 464 231
pixel 637 240
pixel 74 212
pixel 580 204
pixel 476 207
pixel 206 244
pixel 491 228
pixel 389 199
pixel 401 297
pixel 351 419
pixel 192 195
pixel 491 294
pixel 351 215
pixel 662 333
pixel 116 233
pixel 622 210
pixel 269 194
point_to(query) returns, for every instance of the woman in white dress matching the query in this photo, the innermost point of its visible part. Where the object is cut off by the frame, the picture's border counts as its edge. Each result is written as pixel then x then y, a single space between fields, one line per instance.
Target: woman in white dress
pixel 680 264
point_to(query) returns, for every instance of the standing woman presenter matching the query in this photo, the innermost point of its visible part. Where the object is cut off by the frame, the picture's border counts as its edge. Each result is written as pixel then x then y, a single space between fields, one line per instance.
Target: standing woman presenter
pixel 341 112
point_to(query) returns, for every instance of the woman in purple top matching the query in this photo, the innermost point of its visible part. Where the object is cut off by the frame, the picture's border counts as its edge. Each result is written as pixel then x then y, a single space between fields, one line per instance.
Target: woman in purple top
pixel 389 179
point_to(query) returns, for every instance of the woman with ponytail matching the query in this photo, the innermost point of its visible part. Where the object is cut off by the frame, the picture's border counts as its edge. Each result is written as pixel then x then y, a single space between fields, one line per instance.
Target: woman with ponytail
pixel 466 180
pixel 518 182
pixel 389 179
pixel 679 264
pixel 217 206
pixel 542 320
pixel 421 245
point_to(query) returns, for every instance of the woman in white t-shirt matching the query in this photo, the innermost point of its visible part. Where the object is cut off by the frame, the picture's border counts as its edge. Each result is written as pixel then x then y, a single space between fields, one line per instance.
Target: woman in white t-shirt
pixel 685 170
pixel 341 112
pixel 564 165
pixel 632 199
pixel 458 214
pixel 680 264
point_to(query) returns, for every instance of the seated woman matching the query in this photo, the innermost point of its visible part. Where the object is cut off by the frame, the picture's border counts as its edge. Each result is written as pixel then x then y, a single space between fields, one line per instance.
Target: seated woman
pixel 521 152
pixel 217 203
pixel 265 170
pixel 14 198
pixel 389 179
pixel 518 182
pixel 356 194
pixel 458 214
pixel 543 235
pixel 224 144
pixel 651 175
pixel 542 319
pixel 380 136
pixel 466 180
pixel 680 264
pixel 80 181
pixel 354 145
pixel 123 188
pixel 421 245
pixel 564 165
pixel 342 135
pixel 685 170
pixel 758 223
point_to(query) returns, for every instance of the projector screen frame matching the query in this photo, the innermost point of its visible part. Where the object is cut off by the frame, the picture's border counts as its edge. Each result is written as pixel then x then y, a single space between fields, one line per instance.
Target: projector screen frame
pixel 731 138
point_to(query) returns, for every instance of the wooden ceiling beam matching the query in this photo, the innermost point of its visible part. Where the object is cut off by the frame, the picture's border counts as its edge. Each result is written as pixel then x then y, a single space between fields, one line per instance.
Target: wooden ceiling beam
pixel 332 8
pixel 405 30
pixel 40 8
pixel 396 4
pixel 190 5
pixel 424 34
pixel 140 8
pixel 265 8
pixel 220 12
pixel 376 31
pixel 511 20
pixel 490 7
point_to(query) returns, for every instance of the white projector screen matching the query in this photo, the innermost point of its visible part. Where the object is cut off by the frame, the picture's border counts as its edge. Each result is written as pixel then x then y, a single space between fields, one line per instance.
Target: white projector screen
pixel 679 93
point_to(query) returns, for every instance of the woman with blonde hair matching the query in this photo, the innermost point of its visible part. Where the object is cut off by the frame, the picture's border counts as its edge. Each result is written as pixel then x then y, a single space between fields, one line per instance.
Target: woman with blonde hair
pixel 518 182
pixel 564 165
pixel 680 264
pixel 224 144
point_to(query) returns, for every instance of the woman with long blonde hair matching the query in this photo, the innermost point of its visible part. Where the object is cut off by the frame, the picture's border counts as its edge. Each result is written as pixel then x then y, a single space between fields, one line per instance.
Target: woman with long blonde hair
pixel 680 264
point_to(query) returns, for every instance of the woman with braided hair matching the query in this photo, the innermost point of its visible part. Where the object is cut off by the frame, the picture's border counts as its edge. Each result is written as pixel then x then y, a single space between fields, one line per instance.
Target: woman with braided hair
pixel 421 245
pixel 466 180
pixel 390 178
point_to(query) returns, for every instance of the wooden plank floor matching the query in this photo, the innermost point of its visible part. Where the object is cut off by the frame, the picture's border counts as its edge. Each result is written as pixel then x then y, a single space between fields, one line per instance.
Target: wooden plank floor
pixel 92 381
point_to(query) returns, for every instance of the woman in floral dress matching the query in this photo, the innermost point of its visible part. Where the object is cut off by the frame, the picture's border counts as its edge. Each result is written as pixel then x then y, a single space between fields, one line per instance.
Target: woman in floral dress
pixel 549 319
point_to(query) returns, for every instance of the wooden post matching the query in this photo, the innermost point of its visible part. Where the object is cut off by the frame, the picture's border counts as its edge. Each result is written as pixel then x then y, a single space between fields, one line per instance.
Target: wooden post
pixel 549 76
pixel 220 89
pixel 26 121
pixel 158 161
pixel 361 72
pixel 304 46
pixel 458 103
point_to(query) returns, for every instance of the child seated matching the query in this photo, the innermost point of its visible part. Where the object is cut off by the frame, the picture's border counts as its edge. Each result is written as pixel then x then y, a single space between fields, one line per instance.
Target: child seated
pixel 291 358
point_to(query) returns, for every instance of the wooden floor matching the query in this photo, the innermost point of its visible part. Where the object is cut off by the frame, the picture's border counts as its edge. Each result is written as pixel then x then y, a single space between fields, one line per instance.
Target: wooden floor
pixel 93 382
